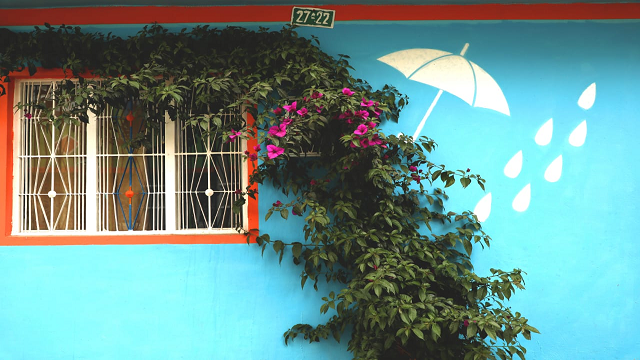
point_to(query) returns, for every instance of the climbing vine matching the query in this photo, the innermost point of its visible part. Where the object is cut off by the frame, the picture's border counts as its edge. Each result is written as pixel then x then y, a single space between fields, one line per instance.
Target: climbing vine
pixel 368 200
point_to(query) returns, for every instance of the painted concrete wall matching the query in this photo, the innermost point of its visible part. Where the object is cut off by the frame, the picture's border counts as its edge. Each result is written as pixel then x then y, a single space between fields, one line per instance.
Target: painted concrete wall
pixel 574 236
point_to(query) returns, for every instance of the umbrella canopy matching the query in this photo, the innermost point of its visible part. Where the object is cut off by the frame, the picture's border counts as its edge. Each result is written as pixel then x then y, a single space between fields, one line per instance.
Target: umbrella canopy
pixel 451 73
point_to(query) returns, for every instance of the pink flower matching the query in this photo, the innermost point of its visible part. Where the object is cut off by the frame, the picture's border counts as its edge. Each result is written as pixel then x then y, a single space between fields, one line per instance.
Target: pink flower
pixel 278 130
pixel 361 130
pixel 302 112
pixel 292 107
pixel 468 169
pixel 287 121
pixel 345 115
pixel 253 156
pixel 238 192
pixel 377 113
pixel 304 98
pixel 28 116
pixel 274 151
pixel 385 157
pixel 234 134
pixel 364 143
pixel 363 114
pixel 465 323
pixel 413 168
pixel 316 95
pixel 277 111
pixel 375 140
pixel 277 203
pixel 366 103
pixel 312 182
pixel 347 91
pixel 319 109
pixel 416 178
pixel 257 148
pixel 371 124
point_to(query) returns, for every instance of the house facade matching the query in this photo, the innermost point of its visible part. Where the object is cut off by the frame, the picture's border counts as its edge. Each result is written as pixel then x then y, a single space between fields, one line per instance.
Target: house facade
pixel 541 99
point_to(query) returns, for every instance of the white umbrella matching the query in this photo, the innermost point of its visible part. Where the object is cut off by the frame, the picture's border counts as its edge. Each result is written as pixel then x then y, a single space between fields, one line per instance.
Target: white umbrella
pixel 451 73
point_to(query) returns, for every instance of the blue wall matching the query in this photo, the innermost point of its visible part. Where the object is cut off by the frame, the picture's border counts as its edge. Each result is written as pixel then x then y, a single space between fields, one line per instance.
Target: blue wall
pixel 575 239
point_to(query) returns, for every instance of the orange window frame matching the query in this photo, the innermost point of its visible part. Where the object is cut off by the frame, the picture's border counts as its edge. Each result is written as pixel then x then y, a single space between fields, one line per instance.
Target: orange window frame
pixel 7 197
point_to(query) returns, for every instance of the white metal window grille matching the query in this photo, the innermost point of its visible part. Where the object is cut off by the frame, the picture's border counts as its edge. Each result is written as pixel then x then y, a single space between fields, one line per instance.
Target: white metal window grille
pixel 52 167
pixel 130 181
pixel 209 174
pixel 87 179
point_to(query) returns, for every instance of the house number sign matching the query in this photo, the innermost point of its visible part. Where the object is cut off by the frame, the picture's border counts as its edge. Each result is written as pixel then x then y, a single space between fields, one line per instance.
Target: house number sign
pixel 312 17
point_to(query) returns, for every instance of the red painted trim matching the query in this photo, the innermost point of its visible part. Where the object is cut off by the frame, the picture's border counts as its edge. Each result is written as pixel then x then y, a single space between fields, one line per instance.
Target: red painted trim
pixel 257 13
pixel 6 196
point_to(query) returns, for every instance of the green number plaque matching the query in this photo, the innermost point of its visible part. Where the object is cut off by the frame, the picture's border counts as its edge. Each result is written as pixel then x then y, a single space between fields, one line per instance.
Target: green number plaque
pixel 312 17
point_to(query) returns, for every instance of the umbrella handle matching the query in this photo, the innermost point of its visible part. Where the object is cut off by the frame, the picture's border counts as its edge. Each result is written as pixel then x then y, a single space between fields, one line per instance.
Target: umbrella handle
pixel 424 119
pixel 433 103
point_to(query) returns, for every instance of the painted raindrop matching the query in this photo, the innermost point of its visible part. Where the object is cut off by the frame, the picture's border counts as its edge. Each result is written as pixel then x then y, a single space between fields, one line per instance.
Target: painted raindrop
pixel 588 97
pixel 554 170
pixel 514 166
pixel 483 208
pixel 522 200
pixel 579 134
pixel 543 136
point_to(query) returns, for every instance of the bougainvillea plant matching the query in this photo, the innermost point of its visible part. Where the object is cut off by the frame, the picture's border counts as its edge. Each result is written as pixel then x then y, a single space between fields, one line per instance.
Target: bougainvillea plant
pixel 368 200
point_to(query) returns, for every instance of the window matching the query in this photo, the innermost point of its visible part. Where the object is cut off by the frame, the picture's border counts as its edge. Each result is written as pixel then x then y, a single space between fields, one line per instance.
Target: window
pixel 86 179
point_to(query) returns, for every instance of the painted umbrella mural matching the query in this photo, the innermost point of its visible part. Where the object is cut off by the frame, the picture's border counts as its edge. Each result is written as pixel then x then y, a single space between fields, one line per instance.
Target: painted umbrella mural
pixel 451 73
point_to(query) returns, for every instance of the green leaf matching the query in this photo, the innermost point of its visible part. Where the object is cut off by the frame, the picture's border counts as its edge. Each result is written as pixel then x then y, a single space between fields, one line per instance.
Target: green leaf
pixel 435 332
pixel 418 333
pixel 450 181
pixel 412 314
pixel 296 249
pixel 284 213
pixel 490 331
pixel 471 330
pixel 532 329
pixel 467 246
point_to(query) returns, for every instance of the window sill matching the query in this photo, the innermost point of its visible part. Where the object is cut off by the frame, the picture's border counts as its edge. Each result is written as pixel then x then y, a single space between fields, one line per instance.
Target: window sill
pixel 120 239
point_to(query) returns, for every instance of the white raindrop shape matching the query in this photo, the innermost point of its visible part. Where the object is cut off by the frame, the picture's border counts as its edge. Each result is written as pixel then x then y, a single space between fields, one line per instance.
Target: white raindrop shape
pixel 483 208
pixel 514 166
pixel 522 200
pixel 554 170
pixel 579 134
pixel 543 136
pixel 588 97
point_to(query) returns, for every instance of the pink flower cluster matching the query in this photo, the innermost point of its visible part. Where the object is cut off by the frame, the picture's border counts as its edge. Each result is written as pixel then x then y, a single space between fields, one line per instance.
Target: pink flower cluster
pixel 361 117
pixel 415 173
pixel 279 131
pixel 365 117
